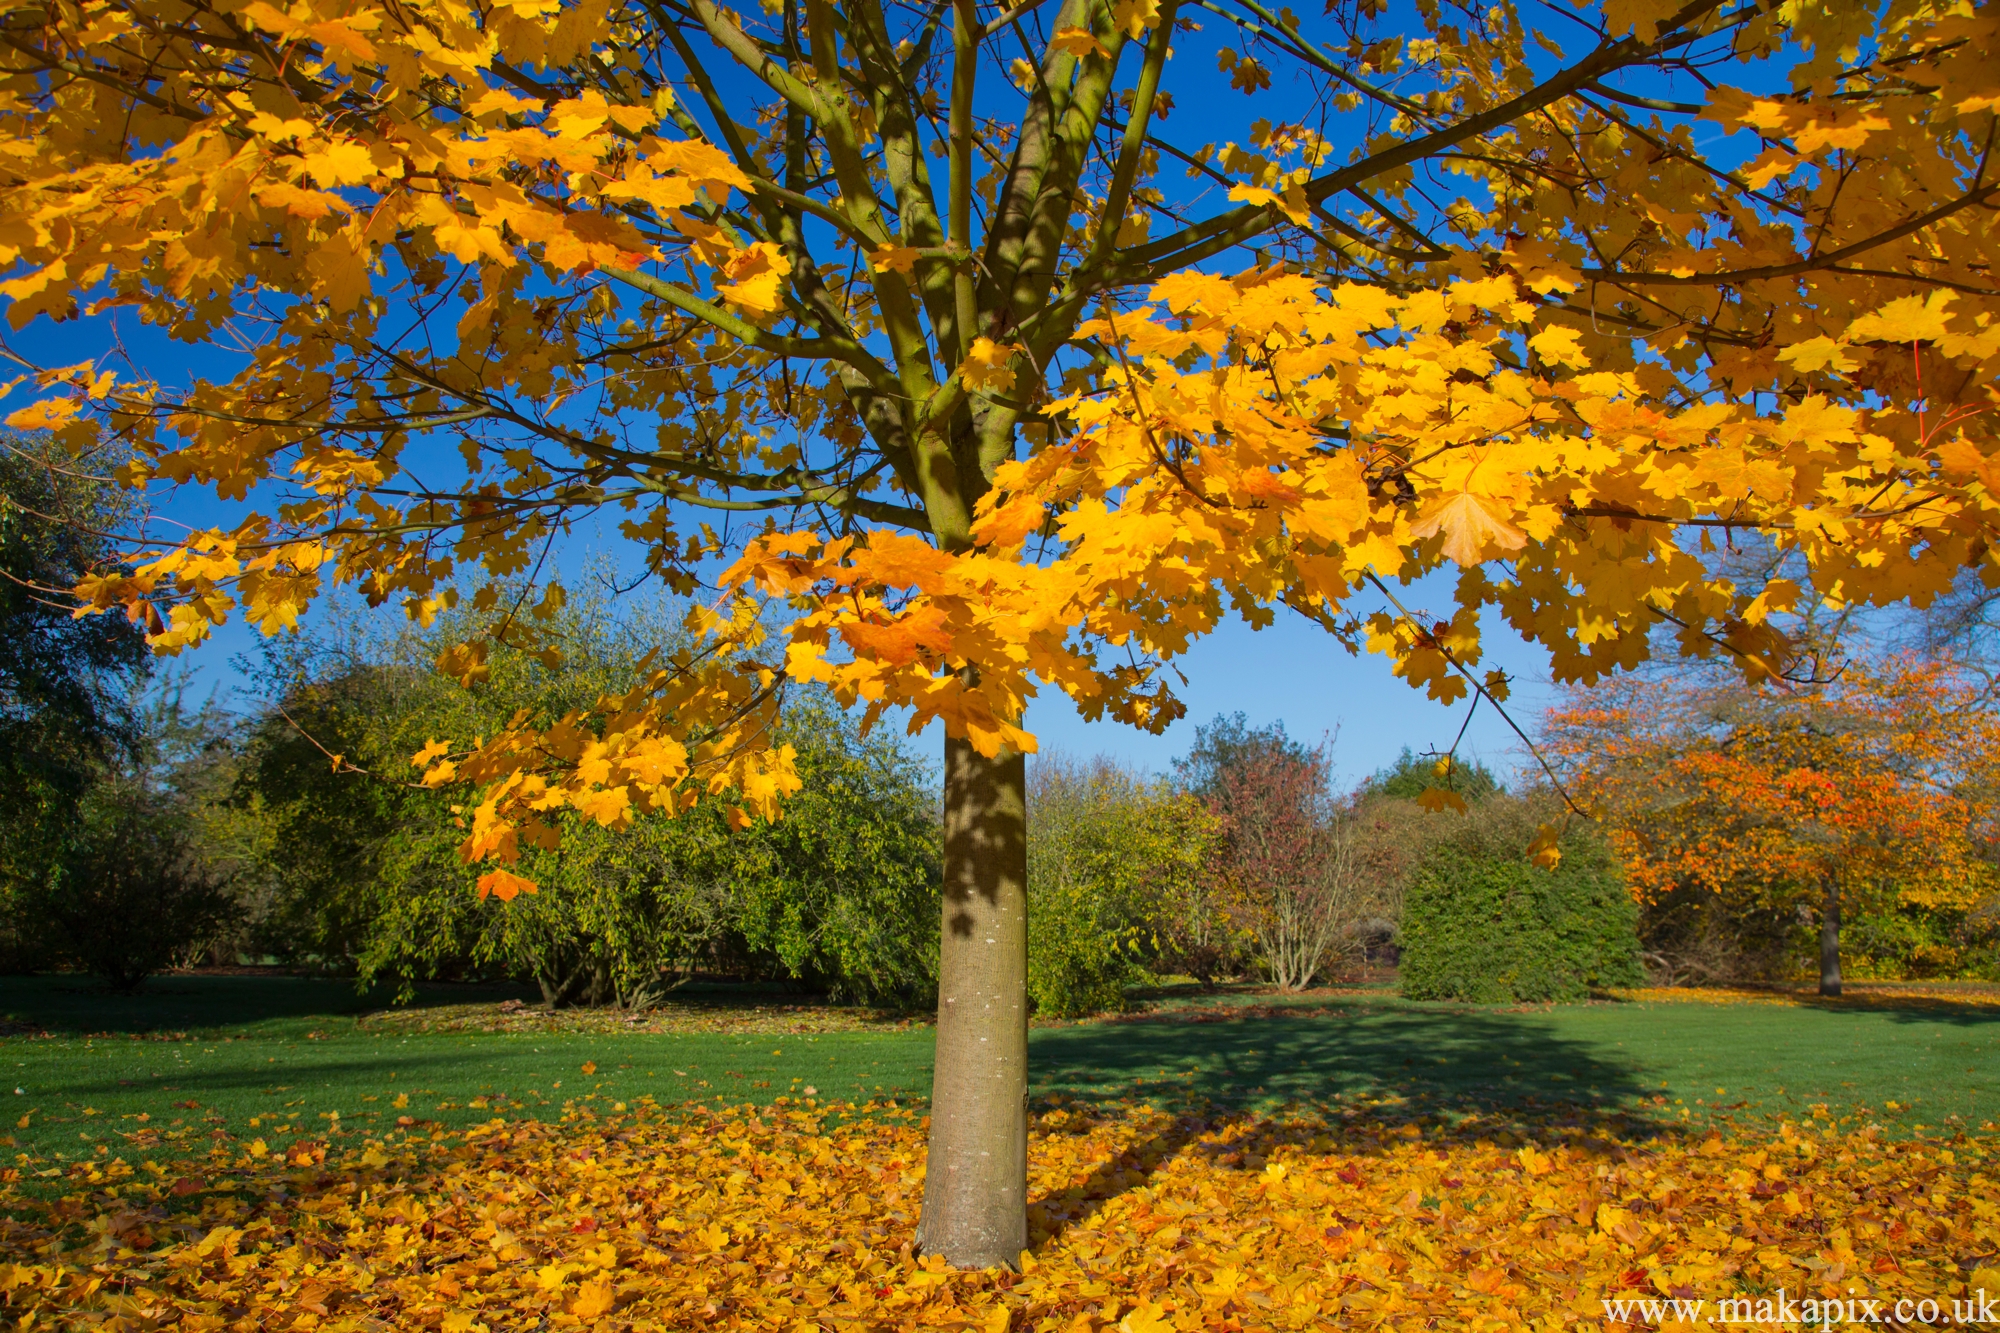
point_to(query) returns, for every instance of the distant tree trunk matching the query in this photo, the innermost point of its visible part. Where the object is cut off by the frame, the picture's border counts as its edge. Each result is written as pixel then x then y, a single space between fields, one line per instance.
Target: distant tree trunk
pixel 976 1178
pixel 1829 939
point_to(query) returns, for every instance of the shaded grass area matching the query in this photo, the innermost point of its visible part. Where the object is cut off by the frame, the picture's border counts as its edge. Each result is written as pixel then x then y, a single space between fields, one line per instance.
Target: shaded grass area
pixel 161 1074
pixel 1937 1062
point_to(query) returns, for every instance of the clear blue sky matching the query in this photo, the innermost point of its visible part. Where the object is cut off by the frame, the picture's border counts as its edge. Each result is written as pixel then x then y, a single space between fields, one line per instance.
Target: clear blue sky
pixel 1294 673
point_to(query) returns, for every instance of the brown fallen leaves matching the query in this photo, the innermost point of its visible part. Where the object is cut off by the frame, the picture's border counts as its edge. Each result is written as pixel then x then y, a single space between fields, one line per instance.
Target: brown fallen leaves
pixel 1867 995
pixel 798 1218
pixel 668 1017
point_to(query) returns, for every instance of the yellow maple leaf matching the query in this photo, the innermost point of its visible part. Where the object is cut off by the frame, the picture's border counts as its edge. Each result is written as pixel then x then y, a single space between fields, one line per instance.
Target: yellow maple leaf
pixel 1543 850
pixel 1848 133
pixel 1641 18
pixel 755 277
pixel 466 661
pixel 1906 320
pixel 1963 457
pixel 1474 527
pixel 1249 75
pixel 1077 42
pixel 45 415
pixel 1135 16
pixel 899 258
pixel 610 807
pixel 1561 345
pixel 1535 1163
pixel 501 101
pixel 987 367
pixel 1821 353
pixel 1148 1318
pixel 346 162
pixel 1437 800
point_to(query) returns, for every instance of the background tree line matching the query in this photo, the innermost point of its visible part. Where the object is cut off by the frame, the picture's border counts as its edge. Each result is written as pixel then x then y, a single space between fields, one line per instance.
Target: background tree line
pixel 1760 830
pixel 158 831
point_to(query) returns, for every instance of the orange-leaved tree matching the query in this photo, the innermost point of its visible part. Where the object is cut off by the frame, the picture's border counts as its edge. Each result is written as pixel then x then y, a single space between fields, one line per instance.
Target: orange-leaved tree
pixel 1859 792
pixel 927 307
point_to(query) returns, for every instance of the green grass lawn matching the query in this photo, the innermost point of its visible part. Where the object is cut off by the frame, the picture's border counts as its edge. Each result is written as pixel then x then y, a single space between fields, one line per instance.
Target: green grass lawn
pixel 1938 1062
pixel 282 1058
pixel 154 1076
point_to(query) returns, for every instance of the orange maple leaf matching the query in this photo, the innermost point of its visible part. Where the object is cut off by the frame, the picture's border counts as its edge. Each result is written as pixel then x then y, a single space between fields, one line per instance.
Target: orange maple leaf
pixel 504 885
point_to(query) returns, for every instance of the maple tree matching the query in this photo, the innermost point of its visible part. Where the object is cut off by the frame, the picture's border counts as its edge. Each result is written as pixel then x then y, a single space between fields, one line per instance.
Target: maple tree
pixel 1870 787
pixel 1503 309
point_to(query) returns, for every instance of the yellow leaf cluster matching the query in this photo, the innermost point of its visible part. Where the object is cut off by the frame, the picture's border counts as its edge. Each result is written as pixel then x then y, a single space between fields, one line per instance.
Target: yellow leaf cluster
pixel 795 1217
pixel 285 199
pixel 1268 440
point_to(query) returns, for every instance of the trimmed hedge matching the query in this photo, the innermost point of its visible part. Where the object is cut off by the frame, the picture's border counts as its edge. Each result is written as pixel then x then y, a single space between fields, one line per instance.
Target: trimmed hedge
pixel 1497 930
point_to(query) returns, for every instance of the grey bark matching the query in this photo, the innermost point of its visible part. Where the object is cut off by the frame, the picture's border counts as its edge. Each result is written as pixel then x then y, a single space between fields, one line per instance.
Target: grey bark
pixel 975 1185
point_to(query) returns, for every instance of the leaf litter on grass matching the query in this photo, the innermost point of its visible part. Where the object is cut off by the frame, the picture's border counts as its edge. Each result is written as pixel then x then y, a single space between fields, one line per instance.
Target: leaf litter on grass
pixel 750 1019
pixel 1144 1219
pixel 1943 995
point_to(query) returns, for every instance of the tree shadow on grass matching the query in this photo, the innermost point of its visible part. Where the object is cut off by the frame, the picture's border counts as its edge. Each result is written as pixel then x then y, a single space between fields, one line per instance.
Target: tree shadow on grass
pixel 1909 1008
pixel 77 1005
pixel 1972 1006
pixel 1452 1059
pixel 1352 1080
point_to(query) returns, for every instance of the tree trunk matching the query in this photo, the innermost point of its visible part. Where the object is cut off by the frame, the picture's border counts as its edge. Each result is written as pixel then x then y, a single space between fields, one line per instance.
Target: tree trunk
pixel 1829 940
pixel 976 1180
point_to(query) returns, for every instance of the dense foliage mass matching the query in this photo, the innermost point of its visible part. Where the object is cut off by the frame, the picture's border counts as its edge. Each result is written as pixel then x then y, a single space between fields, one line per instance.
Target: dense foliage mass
pixel 296 832
pixel 365 872
pixel 1494 928
pixel 1769 830
pixel 97 866
pixel 1120 886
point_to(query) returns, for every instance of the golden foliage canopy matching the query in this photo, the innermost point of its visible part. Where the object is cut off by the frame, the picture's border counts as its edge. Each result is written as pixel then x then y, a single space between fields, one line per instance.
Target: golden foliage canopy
pixel 1504 307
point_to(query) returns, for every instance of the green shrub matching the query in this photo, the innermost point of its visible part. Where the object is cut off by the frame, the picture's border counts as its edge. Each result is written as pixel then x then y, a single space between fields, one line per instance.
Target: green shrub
pixel 1117 879
pixel 130 897
pixel 841 893
pixel 1494 929
pixel 1077 964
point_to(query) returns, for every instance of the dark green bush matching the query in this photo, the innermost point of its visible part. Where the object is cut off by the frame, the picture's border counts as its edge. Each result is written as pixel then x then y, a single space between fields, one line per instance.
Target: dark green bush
pixel 1493 929
pixel 130 898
